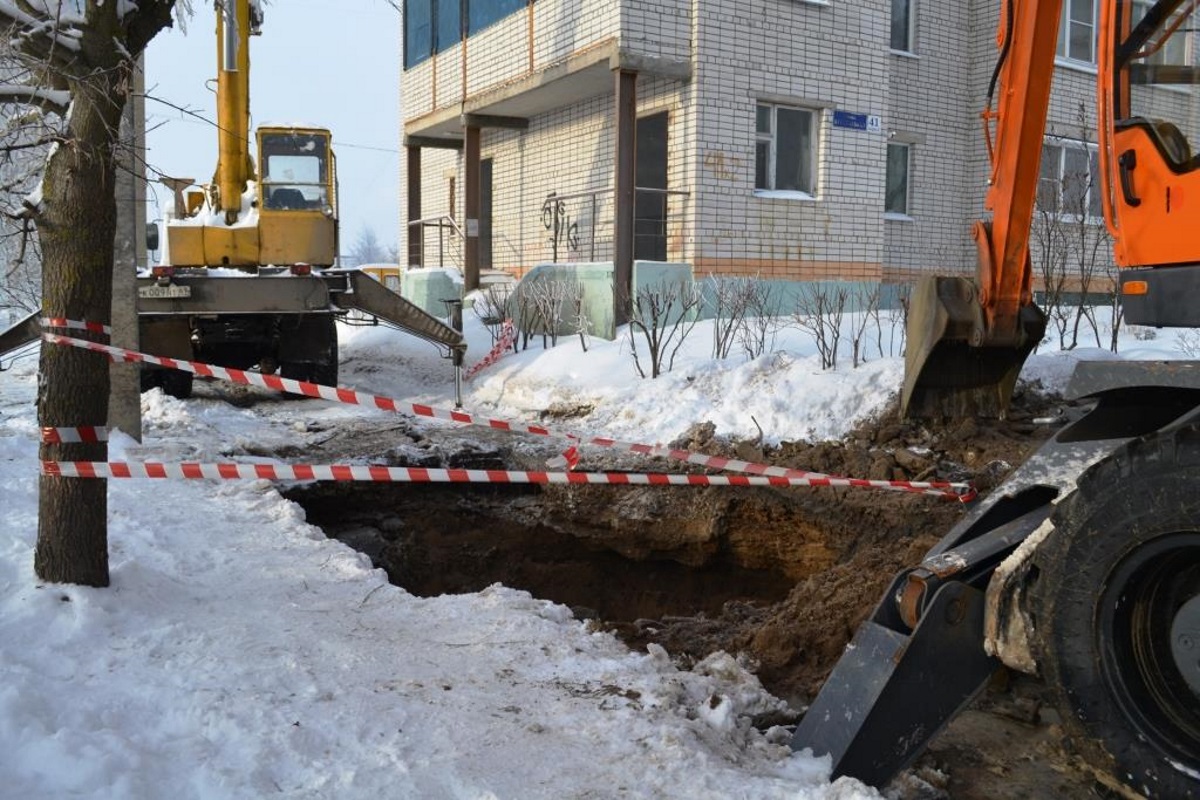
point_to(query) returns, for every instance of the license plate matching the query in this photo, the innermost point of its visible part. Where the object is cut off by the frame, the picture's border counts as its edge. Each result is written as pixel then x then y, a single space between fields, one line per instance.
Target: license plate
pixel 171 290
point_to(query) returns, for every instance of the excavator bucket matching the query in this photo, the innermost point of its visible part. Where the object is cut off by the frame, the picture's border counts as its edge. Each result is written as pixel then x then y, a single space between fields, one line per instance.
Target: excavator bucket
pixel 950 369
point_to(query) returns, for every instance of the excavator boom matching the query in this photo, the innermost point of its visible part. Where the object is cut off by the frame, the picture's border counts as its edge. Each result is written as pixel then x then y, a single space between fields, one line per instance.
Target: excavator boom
pixel 1083 567
pixel 968 339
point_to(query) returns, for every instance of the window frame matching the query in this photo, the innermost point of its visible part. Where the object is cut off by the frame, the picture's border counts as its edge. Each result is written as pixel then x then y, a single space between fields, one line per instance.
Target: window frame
pixel 770 138
pixel 1063 49
pixel 909 31
pixel 1095 211
pixel 1185 41
pixel 891 213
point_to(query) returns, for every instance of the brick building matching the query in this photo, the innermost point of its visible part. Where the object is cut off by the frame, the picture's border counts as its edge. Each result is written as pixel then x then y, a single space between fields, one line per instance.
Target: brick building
pixel 792 139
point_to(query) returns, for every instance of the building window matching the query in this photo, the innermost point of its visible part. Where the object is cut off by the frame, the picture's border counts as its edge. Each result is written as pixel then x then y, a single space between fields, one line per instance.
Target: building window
pixel 902 25
pixel 1077 31
pixel 481 13
pixel 430 26
pixel 418 31
pixel 1068 184
pixel 785 149
pixel 896 184
pixel 1170 45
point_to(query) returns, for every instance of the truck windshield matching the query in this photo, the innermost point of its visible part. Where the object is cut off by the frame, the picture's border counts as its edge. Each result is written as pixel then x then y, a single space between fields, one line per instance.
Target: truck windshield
pixel 1157 63
pixel 295 170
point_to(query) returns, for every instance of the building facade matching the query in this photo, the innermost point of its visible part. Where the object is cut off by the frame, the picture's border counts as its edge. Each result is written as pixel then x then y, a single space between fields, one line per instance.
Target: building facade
pixel 789 139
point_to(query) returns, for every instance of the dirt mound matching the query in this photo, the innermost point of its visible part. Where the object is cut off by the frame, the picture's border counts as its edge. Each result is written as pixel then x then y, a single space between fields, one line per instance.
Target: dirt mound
pixel 842 546
pixel 783 576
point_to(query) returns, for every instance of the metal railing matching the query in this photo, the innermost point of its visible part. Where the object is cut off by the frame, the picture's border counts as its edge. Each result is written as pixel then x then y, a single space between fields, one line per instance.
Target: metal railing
pixel 446 226
pixel 563 227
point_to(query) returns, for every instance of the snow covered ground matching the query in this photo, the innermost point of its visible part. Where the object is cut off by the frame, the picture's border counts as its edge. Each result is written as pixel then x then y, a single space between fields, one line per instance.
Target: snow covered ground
pixel 241 654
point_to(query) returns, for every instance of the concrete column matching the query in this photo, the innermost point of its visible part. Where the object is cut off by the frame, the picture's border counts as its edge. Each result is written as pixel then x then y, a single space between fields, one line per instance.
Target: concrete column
pixel 129 253
pixel 471 192
pixel 414 235
pixel 625 182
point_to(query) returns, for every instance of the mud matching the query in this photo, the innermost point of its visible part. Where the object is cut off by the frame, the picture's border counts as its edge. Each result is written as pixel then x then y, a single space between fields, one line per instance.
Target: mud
pixel 783 576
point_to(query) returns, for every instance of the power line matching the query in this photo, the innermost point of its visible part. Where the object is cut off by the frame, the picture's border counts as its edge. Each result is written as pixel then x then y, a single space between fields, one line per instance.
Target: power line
pixel 200 119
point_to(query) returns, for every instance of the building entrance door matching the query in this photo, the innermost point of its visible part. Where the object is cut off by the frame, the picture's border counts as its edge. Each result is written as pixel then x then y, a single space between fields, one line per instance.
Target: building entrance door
pixel 485 213
pixel 650 207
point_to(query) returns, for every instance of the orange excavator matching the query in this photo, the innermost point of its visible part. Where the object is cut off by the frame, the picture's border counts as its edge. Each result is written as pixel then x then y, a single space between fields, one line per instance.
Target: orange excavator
pixel 1084 566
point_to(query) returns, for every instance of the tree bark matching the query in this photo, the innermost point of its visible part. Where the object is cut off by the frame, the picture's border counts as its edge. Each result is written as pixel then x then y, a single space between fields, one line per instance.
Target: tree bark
pixel 77 227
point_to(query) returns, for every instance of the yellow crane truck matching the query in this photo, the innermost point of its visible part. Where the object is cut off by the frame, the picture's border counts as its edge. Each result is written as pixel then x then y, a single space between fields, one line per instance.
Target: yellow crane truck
pixel 248 275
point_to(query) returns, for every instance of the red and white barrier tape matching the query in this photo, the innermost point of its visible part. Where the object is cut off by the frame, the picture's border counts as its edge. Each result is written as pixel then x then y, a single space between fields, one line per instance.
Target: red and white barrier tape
pixel 508 335
pixel 567 459
pixel 74 325
pixel 88 434
pixel 343 472
pixel 958 491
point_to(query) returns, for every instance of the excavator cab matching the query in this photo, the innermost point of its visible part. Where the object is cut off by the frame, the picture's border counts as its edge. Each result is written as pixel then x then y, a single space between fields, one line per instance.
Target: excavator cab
pixel 1150 79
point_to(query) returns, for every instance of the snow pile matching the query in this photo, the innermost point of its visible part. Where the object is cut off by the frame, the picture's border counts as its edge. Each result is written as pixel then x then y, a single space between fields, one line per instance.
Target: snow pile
pixel 239 653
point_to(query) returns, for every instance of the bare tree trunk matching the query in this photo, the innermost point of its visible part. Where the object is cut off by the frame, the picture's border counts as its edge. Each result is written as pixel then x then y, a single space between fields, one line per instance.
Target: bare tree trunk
pixel 90 53
pixel 76 230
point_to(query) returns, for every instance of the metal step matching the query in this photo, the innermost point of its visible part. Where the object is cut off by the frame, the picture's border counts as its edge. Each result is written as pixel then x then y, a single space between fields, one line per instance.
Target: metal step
pixel 363 293
pixel 22 333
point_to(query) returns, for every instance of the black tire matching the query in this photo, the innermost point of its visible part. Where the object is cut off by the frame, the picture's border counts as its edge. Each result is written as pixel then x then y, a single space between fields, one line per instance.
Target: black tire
pixel 177 383
pixel 1112 578
pixel 326 373
pixel 149 379
pixel 323 372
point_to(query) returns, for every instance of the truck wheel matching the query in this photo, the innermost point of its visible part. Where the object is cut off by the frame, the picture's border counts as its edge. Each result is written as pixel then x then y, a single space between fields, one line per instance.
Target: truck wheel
pixel 149 379
pixel 177 383
pixel 326 373
pixel 1116 608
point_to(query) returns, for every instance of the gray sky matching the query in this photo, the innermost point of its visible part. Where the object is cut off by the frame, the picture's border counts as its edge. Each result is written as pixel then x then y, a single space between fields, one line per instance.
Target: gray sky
pixel 332 63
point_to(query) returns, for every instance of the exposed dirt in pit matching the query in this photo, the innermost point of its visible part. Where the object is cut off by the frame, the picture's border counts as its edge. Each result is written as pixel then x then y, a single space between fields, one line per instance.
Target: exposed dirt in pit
pixel 782 575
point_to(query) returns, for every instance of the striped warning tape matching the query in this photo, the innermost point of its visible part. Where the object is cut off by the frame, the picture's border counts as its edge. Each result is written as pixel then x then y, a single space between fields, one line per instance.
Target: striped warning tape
pixel 379 474
pixel 74 325
pixel 958 491
pixel 508 335
pixel 87 434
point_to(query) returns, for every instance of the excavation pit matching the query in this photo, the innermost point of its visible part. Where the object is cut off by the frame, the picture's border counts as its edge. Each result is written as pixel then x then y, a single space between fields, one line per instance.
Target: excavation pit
pixel 433 539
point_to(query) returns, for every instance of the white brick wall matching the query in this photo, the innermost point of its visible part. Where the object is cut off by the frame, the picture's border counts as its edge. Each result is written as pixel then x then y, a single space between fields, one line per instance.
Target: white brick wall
pixel 826 56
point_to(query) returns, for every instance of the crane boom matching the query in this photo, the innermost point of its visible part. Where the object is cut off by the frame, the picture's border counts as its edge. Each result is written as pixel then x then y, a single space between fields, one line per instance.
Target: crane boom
pixel 236 21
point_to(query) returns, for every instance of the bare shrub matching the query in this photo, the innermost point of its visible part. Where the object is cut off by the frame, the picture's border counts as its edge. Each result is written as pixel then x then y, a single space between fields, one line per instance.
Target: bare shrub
pixel 819 311
pixel 662 315
pixel 492 308
pixel 541 305
pixel 1068 243
pixel 759 323
pixel 866 303
pixel 1116 311
pixel 1188 343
